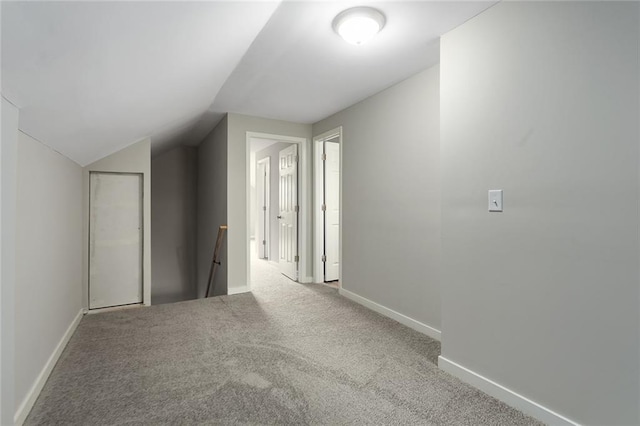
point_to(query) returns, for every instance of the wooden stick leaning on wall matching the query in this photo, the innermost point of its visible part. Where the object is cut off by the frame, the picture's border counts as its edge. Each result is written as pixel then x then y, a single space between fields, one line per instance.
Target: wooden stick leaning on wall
pixel 216 255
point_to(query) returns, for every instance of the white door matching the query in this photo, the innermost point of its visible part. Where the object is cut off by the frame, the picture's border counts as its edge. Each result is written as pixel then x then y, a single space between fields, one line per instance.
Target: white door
pixel 288 211
pixel 332 211
pixel 262 192
pixel 115 239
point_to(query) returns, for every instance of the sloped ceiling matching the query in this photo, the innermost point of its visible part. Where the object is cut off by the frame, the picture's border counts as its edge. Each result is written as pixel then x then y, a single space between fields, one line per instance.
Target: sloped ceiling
pixel 300 70
pixel 93 77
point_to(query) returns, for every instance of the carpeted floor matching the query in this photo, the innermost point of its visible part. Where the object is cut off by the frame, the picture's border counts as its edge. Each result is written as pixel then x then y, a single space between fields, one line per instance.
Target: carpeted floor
pixel 287 353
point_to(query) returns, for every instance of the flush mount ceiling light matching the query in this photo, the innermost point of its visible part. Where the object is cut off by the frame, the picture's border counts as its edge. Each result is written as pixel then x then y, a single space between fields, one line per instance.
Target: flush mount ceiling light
pixel 358 24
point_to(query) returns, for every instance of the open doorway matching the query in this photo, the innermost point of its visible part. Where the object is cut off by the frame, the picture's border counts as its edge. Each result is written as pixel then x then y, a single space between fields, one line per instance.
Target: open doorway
pixel 275 207
pixel 327 207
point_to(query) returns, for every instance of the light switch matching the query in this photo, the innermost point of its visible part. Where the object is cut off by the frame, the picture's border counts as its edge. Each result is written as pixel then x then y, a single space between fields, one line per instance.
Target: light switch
pixel 495 200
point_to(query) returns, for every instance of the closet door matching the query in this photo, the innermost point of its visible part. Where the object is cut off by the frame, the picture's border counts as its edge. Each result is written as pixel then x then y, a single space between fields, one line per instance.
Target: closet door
pixel 115 239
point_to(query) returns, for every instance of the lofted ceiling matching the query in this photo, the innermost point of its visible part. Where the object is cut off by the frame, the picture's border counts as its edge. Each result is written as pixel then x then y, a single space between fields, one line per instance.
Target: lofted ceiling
pixel 93 77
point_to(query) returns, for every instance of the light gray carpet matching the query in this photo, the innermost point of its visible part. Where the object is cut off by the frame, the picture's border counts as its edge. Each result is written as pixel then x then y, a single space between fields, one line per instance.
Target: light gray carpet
pixel 286 354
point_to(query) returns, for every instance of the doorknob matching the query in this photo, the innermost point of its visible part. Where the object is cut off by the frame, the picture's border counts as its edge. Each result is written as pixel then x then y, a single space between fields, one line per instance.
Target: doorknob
pixel 279 217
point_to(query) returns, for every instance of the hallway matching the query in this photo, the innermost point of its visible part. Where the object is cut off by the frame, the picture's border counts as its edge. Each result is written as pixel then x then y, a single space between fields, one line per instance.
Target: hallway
pixel 287 353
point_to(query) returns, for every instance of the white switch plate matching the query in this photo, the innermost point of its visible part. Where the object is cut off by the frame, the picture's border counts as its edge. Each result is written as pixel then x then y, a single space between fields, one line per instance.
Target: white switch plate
pixel 495 200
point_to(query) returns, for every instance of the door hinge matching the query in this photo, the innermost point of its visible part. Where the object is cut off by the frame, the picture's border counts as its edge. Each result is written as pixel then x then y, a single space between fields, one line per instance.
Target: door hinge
pixel 324 207
pixel 296 258
pixel 324 257
pixel 324 157
pixel 264 242
pixel 297 209
pixel 295 158
pixel 264 208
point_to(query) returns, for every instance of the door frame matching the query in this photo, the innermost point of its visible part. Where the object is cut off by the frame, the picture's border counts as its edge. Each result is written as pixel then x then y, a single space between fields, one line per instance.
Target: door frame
pixel 318 191
pixel 142 233
pixel 304 189
pixel 267 203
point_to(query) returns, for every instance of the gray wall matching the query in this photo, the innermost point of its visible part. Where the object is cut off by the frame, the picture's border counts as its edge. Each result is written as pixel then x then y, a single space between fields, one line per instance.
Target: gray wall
pixel 237 199
pixel 135 158
pixel 173 225
pixel 48 257
pixel 391 197
pixel 541 99
pixel 212 207
pixel 8 176
pixel 273 151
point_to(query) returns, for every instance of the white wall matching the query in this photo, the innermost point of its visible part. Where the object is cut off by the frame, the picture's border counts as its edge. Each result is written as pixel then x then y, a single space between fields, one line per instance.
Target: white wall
pixel 541 99
pixel 173 225
pixel 8 177
pixel 391 197
pixel 48 257
pixel 237 199
pixel 212 208
pixel 135 158
pixel 273 151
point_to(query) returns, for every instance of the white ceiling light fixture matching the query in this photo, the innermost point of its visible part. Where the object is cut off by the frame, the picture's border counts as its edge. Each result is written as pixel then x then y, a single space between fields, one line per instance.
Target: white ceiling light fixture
pixel 358 24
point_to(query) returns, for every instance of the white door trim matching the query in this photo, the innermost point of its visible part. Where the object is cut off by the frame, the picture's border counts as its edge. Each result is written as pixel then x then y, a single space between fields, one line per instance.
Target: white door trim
pixel 304 189
pixel 318 190
pixel 266 186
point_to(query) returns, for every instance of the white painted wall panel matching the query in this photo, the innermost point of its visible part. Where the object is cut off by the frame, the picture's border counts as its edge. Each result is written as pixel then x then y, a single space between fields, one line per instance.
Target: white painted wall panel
pixel 540 99
pixel 48 257
pixel 8 171
pixel 391 197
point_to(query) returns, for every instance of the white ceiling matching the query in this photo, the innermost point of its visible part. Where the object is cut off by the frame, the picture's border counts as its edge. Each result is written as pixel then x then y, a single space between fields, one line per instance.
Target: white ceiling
pixel 91 78
pixel 300 70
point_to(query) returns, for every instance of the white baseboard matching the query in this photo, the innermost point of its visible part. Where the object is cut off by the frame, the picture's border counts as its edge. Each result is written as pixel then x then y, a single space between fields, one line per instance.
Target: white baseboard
pixel 30 399
pixel 238 290
pixel 305 280
pixel 113 308
pixel 504 394
pixel 402 319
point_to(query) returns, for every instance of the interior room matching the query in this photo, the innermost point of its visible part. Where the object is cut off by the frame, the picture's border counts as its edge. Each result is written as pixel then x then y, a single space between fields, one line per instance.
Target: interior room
pixel 309 212
pixel 265 204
